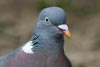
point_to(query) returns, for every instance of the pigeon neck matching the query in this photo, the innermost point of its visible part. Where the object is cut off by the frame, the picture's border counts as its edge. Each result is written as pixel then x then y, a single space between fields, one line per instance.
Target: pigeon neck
pixel 45 43
pixel 48 42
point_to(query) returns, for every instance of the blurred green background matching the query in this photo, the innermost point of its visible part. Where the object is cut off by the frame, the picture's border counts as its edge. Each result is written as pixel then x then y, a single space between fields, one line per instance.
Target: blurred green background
pixel 18 19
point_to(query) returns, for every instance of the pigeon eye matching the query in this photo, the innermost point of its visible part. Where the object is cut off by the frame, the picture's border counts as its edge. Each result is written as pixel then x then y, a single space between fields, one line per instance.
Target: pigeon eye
pixel 46 19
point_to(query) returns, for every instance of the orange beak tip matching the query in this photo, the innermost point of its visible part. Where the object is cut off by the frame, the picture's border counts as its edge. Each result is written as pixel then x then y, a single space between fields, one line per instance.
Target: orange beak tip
pixel 67 34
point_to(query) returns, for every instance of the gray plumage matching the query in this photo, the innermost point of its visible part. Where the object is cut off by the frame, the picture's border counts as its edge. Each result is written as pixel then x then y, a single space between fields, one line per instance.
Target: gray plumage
pixel 47 43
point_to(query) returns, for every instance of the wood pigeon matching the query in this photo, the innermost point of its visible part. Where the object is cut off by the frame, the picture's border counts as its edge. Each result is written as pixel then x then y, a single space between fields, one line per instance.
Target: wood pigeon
pixel 45 48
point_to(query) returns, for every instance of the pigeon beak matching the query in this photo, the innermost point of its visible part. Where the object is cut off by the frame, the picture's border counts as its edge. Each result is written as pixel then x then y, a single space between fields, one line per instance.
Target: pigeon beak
pixel 65 31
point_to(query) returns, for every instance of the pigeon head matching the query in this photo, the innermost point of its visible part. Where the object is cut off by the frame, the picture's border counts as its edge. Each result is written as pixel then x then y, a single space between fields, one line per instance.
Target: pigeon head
pixel 55 15
pixel 53 19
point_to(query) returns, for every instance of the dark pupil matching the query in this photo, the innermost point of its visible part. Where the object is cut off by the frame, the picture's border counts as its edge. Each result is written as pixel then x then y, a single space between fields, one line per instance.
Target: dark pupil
pixel 46 19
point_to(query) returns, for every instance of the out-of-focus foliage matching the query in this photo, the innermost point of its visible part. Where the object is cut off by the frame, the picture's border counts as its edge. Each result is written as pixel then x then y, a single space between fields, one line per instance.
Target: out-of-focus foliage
pixel 81 7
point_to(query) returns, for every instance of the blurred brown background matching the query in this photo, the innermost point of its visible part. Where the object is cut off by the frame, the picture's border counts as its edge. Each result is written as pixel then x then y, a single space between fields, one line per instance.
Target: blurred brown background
pixel 18 19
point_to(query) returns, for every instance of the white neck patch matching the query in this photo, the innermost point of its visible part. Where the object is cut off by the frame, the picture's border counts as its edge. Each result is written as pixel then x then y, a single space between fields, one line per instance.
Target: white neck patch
pixel 27 48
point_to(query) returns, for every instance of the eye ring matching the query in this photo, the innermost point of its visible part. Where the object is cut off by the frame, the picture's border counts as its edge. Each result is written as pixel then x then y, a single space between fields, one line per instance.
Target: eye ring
pixel 46 19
